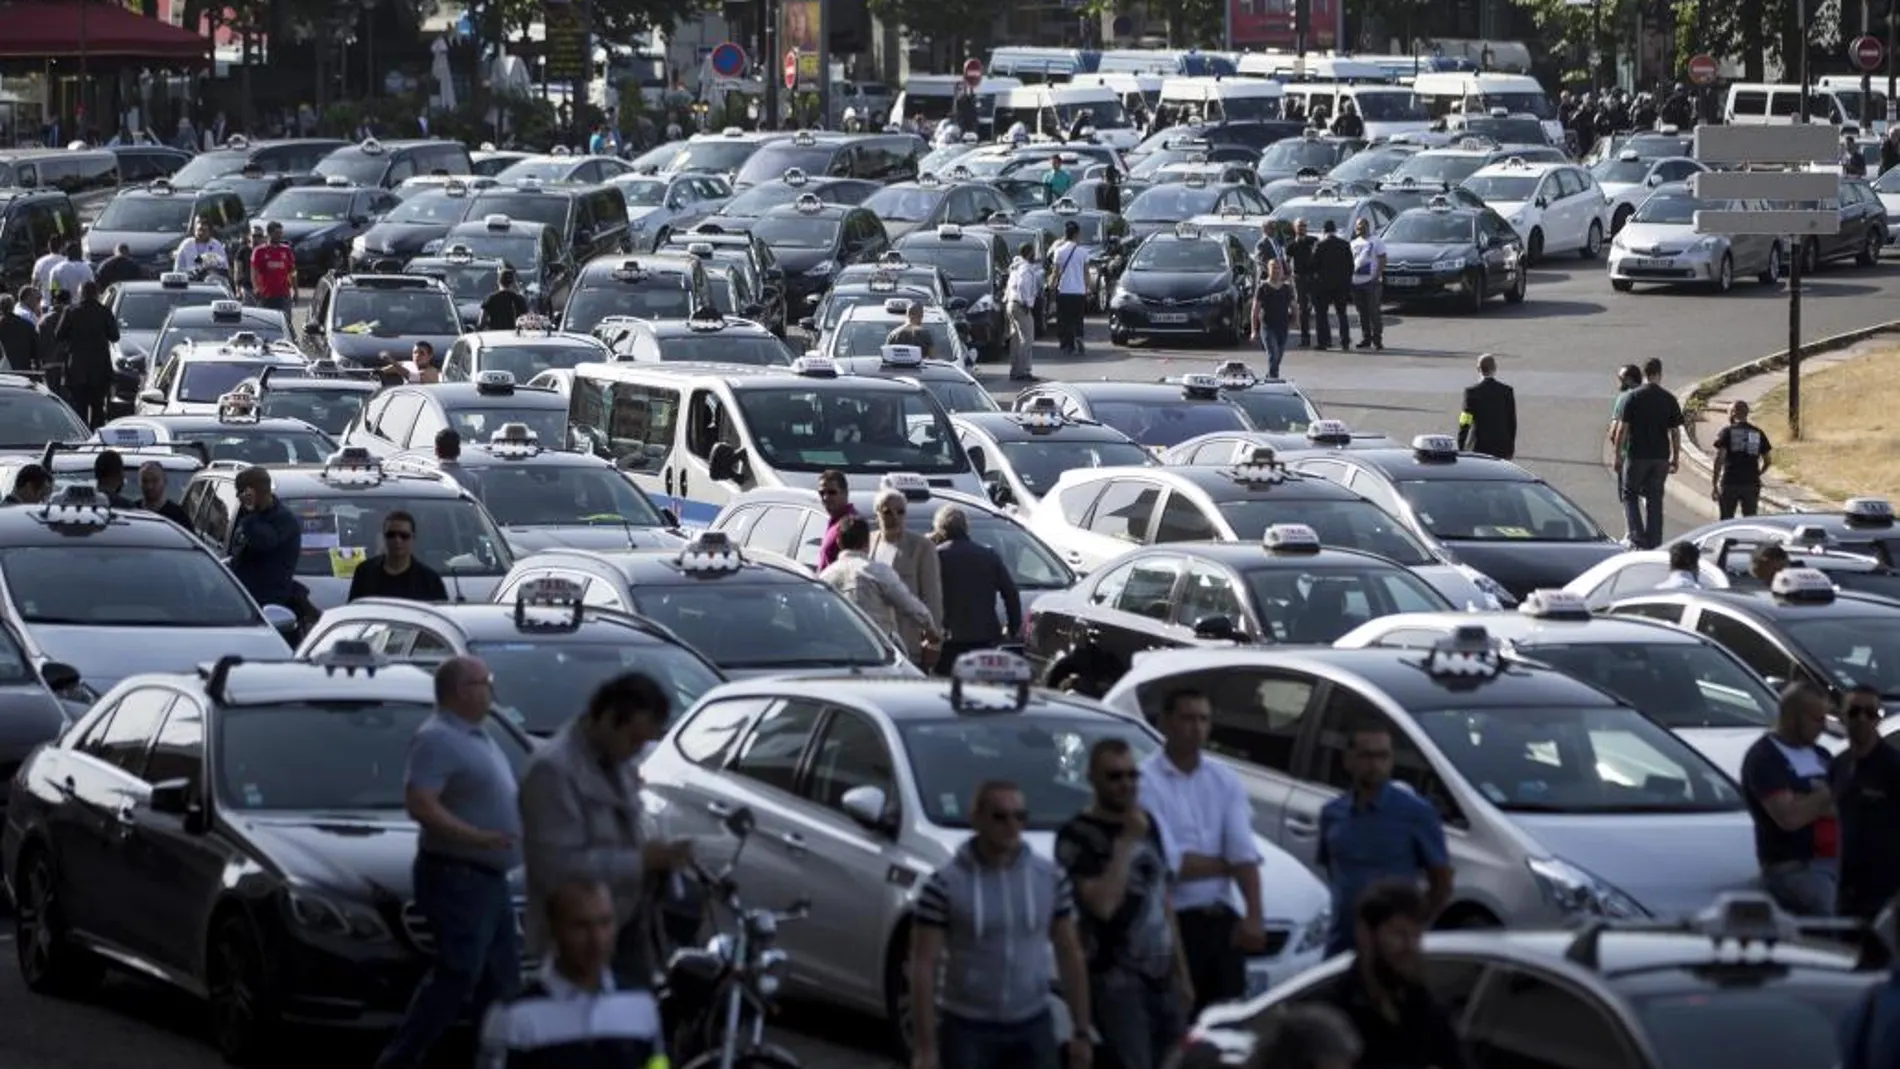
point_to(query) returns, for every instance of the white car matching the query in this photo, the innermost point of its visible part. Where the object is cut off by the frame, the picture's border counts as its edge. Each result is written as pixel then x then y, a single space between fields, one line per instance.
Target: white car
pixel 1887 188
pixel 1629 177
pixel 1554 207
pixel 864 329
pixel 1635 572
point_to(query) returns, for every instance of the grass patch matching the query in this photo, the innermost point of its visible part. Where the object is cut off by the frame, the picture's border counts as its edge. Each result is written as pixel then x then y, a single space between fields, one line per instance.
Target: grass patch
pixel 1851 441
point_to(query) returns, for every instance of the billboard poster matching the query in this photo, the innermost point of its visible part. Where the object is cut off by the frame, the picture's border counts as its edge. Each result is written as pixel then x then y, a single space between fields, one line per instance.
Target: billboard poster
pixel 1269 24
pixel 803 29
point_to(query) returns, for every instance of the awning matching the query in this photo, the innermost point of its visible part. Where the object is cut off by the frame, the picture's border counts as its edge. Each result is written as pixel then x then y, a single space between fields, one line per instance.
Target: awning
pixel 71 28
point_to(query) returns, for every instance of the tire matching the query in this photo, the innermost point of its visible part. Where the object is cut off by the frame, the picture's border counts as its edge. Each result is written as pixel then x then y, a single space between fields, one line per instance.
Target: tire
pixel 1724 275
pixel 1468 918
pixel 1519 289
pixel 1810 257
pixel 1622 285
pixel 1475 280
pixel 1117 335
pixel 1869 254
pixel 1771 274
pixel 50 963
pixel 1534 248
pixel 244 1021
pixel 1592 242
pixel 1621 217
pixel 897 1011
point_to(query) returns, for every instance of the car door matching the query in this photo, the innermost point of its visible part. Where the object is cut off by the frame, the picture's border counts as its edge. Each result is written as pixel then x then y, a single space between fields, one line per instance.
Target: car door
pixel 1122 519
pixel 104 788
pixel 1183 520
pixel 1324 776
pixel 175 869
pixel 1529 1018
pixel 1212 591
pixel 1141 615
pixel 391 431
pixel 1760 650
pixel 686 775
pixel 765 775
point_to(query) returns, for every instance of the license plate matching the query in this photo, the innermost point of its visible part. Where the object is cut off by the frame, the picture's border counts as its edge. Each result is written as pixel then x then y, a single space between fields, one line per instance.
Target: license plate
pixel 1655 262
pixel 1402 281
pixel 1170 317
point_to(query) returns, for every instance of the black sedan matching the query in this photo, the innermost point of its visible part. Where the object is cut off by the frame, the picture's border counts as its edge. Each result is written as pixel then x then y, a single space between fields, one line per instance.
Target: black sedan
pixel 749 204
pixel 1184 283
pixel 320 222
pixel 1865 525
pixel 814 241
pixel 1161 207
pixel 976 260
pixel 1312 149
pixel 410 227
pixel 1458 255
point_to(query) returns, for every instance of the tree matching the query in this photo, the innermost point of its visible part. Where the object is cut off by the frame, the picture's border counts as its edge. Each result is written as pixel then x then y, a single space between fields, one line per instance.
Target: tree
pixel 944 22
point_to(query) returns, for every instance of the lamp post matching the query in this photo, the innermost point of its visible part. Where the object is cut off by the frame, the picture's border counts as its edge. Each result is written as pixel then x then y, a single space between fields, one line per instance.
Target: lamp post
pixel 369 49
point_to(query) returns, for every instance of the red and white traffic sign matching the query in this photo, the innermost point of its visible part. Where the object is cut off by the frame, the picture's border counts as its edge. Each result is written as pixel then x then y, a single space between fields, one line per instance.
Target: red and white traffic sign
pixel 972 71
pixel 1703 68
pixel 791 69
pixel 1867 53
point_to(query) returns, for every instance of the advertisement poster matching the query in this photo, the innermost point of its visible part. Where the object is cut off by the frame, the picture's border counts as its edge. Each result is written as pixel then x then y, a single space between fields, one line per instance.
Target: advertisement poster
pixel 803 30
pixel 1269 24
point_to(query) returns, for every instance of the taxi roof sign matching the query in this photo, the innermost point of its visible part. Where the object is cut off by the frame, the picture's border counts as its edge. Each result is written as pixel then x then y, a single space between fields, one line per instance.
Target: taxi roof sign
pixel 496 221
pixel 1439 203
pixel 1066 206
pixel 1435 447
pixel 897 306
pixel 990 668
pixel 1291 538
pixel 1871 511
pixel 1329 432
pixel 712 553
pixel 514 440
pixel 1041 414
pixel 1808 534
pixel 126 437
pixel 1200 384
pixel 1261 467
pixel 913 486
pixel 1802 585
pixel 950 231
pixel 1235 375
pixel 882 282
pixel 701 250
pixel 960 173
pixel 352 466
pixel 495 381
pixel 808 203
pixel 549 593
pixel 1467 653
pixel 77 506
pixel 1187 230
pixel 1555 604
pixel 804 138
pixel 795 177
pixel 816 367
pixel 929 180
pixel 900 355
pixel 226 309
pixel 458 254
pixel 174 280
pixel 1745 917
pixel 630 271
pixel 238 406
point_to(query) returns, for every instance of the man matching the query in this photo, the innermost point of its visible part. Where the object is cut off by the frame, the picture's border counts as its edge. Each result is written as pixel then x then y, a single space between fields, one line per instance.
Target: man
pixel 1348 123
pixel 1853 164
pixel 1741 456
pixel 573 1015
pixel 1890 150
pixel 422 367
pixel 152 488
pixel 1071 259
pixel 974 580
pixel 1139 986
pixel 1865 781
pixel 1381 830
pixel 19 341
pixel 267 542
pixel 52 350
pixel 1785 784
pixel 1649 430
pixel 1305 1036
pixel 460 790
pixel 914 558
pixel 30 486
pixel 582 818
pixel 1488 422
pixel 835 495
pixel 1685 568
pixel 201 250
pixel 987 1006
pixel 1268 248
pixel 1333 267
pixel 72 272
pixel 1766 563
pixel 119 267
pixel 88 331
pixel 1384 995
pixel 1058 180
pixel 395 572
pixel 43 267
pixel 872 586
pixel 1020 294
pixel 31 305
pixel 911 331
pixel 1368 286
pixel 503 309
pixel 1299 253
pixel 274 271
pixel 1628 378
pixel 1204 814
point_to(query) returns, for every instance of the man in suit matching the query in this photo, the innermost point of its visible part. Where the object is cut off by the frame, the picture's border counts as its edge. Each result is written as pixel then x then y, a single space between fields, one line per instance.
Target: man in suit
pixel 1488 423
pixel 1333 267
pixel 19 340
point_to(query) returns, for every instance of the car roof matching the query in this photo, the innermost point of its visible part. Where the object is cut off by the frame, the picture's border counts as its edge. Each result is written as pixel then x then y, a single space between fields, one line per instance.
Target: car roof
pixel 663 264
pixel 463 394
pixel 1512 165
pixel 897 699
pixel 1526 630
pixel 1402 465
pixel 307 481
pixel 272 682
pixel 1011 427
pixel 1220 484
pixel 191 315
pixel 182 424
pixel 39 526
pixel 490 622
pixel 825 210
pixel 152 285
pixel 1243 556
pixel 863 499
pixel 481 455
pixel 684 328
pixel 1763 605
pixel 1124 391
pixel 481 339
pixel 661 567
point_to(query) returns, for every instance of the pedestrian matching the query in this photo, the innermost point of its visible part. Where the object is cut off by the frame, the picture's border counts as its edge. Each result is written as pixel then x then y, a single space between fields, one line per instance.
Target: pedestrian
pixel 267 541
pixel 52 348
pixel 1380 830
pixel 1268 248
pixel 834 493
pixel 72 273
pixel 119 267
pixel 1204 814
pixel 980 960
pixel 273 266
pixel 460 789
pixel 1020 293
pixel 1058 180
pixel 914 558
pixel 1108 195
pixel 19 341
pixel 152 494
pixel 1333 267
pixel 30 305
pixel 1071 282
pixel 1368 285
pixel 43 267
pixel 201 252
pixel 1305 1035
pixel 574 1014
pixel 1348 123
pixel 89 331
pixel 1114 855
pixel 503 309
pixel 1384 994
pixel 1740 452
pixel 1853 163
pixel 1767 562
pixel 1685 568
pixel 1890 149
pixel 1785 784
pixel 583 819
pixel 30 487
pixel 975 580
pixel 1299 252
pixel 912 331
pixel 397 572
pixel 1628 378
pixel 1488 422
pixel 1649 430
pixel 874 587
pixel 422 365
pixel 240 252
pixel 1865 781
pixel 1273 313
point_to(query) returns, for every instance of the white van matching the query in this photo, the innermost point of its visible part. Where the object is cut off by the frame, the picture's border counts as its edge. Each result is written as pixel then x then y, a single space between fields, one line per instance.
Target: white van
pixel 1387 110
pixel 932 97
pixel 1139 93
pixel 1052 110
pixel 1443 92
pixel 1036 65
pixel 1221 99
pixel 1833 100
pixel 1324 67
pixel 695 436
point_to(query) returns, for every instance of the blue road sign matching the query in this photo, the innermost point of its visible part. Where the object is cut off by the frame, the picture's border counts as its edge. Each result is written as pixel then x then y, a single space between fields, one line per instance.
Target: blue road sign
pixel 728 60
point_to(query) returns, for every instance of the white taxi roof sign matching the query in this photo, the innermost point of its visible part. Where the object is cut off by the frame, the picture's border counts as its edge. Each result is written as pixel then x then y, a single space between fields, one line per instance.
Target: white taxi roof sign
pixel 1041 414
pixel 226 309
pixel 1065 206
pixel 174 280
pixel 913 486
pixel 1802 584
pixel 549 591
pixel 1555 604
pixel 496 222
pixel 1808 534
pixel 1329 431
pixel 1235 375
pixel 1201 383
pixel 1438 446
pixel 1187 230
pixel 808 203
pixel 950 231
pixel 1468 652
pixel 514 440
pixel 1877 510
pixel 900 355
pixel 995 667
pixel 1292 538
pixel 817 367
pixel 712 553
pixel 126 437
pixel 494 378
pixel 795 177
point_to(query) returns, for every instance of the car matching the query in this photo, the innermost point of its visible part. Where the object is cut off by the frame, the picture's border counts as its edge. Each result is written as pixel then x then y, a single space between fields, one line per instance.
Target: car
pixel 757 289
pixel 239 154
pixel 891 279
pixel 1183 282
pixel 1313 150
pixel 546 650
pixel 194 378
pixel 1863 526
pixel 32 415
pixel 796 622
pixel 1307 184
pixel 748 204
pixel 1156 414
pixel 1162 207
pixel 410 417
pixel 734 294
pixel 320 223
pixel 1862 233
pixel 1684 681
pixel 1226 448
pixel 153 220
pixel 1342 207
pixel 707 337
pixel 1499 126
pixel 1628 178
pixel 71 464
pixel 470 278
pixel 931 201
pixel 863 330
pixel 1454 164
pixel 1887 189
pixel 1852 566
pixel 544 268
pixel 560 167
pixel 1232 221
pixel 976 261
pixel 1634 572
pixel 370 321
pixel 650 287
pixel 487 163
pixel 237 432
pixel 720 153
pixel 814 241
pixel 1206 171
pixel 261 844
pixel 956 390
pixel 39 698
pixel 256 189
pixel 1554 207
pixel 1457 255
pixel 533 346
pixel 886 805
pixel 211 323
pixel 141 308
pixel 412 226
pixel 1659 244
pixel 660 205
pixel 1402 194
pixel 324 396
pixel 371 162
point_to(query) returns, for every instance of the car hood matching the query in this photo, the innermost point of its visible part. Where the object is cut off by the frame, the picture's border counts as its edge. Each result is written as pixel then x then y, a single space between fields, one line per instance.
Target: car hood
pixel 29 715
pixel 104 656
pixel 297 230
pixel 1178 285
pixel 1418 253
pixel 896 228
pixel 402 237
pixel 361 347
pixel 523 541
pixel 366 854
pixel 1524 566
pixel 1507 208
pixel 795 261
pixel 1613 190
pixel 648 213
pixel 1657 237
pixel 1890 201
pixel 897 669
pixel 1724 747
pixel 1672 864
pixel 144 244
pixel 1456 584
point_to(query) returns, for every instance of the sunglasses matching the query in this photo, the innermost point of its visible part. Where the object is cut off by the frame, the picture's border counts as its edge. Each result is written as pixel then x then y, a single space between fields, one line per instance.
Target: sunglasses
pixel 399 536
pixel 1122 775
pixel 1010 816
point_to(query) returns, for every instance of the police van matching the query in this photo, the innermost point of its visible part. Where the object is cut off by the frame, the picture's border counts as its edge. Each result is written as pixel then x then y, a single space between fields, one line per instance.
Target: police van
pixel 1221 99
pixel 933 98
pixel 694 436
pixel 1386 110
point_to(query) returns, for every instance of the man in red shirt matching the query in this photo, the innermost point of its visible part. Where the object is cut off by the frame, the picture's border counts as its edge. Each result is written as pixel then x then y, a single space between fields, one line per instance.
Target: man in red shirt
pixel 274 272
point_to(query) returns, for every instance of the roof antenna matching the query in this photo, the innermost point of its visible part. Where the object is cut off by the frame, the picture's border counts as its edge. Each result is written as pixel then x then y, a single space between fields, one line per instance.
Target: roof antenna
pixel 626 525
pixel 455 581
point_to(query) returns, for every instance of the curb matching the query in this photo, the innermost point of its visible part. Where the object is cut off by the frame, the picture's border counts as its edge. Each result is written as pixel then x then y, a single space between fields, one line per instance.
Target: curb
pixel 1698 467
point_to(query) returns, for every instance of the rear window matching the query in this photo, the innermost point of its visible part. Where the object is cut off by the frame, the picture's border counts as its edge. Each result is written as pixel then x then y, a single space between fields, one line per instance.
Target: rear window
pixel 1790 1024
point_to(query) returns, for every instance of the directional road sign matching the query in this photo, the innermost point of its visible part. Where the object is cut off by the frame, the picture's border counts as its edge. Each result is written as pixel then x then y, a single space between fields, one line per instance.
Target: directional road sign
pixel 1719 146
pixel 728 60
pixel 1778 186
pixel 1703 69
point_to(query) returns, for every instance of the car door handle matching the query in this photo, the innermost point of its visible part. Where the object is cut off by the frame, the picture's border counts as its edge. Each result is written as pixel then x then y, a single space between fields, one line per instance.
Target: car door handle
pixel 1302 827
pixel 719 809
pixel 126 817
pixel 683 491
pixel 793 841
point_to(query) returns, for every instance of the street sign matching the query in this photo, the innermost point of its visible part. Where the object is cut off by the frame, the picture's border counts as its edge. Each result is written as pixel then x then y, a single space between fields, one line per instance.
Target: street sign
pixel 791 69
pixel 1867 53
pixel 972 71
pixel 1732 223
pixel 1719 146
pixel 1779 186
pixel 728 60
pixel 1703 69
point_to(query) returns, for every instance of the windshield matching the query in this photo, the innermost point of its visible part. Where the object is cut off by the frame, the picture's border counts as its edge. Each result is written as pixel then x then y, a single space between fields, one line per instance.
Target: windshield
pixel 1181 257
pixel 1627 172
pixel 1316 214
pixel 956 395
pixel 177 478
pixel 534 495
pixel 519 250
pixel 360 170
pixel 526 361
pixel 661 297
pixel 1172 203
pixel 1498 510
pixel 104 586
pixel 539 683
pixel 1040 463
pixel 900 205
pixel 1673 208
pixel 1503 188
pixel 1309 606
pixel 1250 108
pixel 480 424
pixel 963 263
pixel 751 350
pixel 1450 168
pixel 309 206
pixel 1889 182
pixel 788 625
pixel 1536 103
pixel 1053 223
pixel 865 337
pixel 1103 114
pixel 1854 105
pixel 270 448
pixel 433 207
pixel 147 309
pixel 469 282
pixel 266 325
pixel 643 192
pixel 1370 165
pixel 329 411
pixel 721 156
pixel 1678 684
pixel 204 381
pixel 842 426
pixel 838 301
pixel 1298 153
pixel 544 170
pixel 1047 756
pixel 1343 524
pixel 797 231
pixel 1389 105
pixel 394 313
pixel 1853 649
pixel 1430 228
pixel 203 168
pixel 759 199
pixel 254 192
pixel 547 208
pixel 1272 411
pixel 1561 760
pixel 147 215
pixel 1786 1020
pixel 325 757
pixel 455 534
pixel 1508 131
pixel 1163 423
pixel 775 159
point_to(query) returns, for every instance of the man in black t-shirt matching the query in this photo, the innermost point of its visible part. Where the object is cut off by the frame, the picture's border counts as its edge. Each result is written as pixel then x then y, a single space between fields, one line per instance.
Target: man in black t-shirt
pixel 1299 252
pixel 1741 455
pixel 1785 785
pixel 502 309
pixel 1865 779
pixel 1384 995
pixel 1648 431
pixel 396 573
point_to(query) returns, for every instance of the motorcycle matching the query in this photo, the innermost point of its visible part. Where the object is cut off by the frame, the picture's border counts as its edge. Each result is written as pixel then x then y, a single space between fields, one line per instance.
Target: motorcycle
pixel 714 999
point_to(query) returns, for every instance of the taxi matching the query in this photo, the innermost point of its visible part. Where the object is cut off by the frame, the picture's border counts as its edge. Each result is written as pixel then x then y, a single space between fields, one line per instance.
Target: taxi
pixel 1156 414
pixel 976 261
pixel 1101 233
pixel 542 263
pixel 1863 525
pixel 410 417
pixel 541 498
pixel 878 284
pixel 1553 207
pixel 1184 281
pixel 532 347
pixel 1234 447
pixel 416 226
pixel 141 307
pixel 32 415
pixel 955 388
pixel 1466 156
pixel 1273 405
pixel 1732 547
pixel 341 504
pixel 547 651
pixel 862 330
pixel 873 822
pixel 1021 454
pixel 71 464
pixel 651 287
pixel 1343 206
pixel 237 432
pixel 1444 252
pixel 746 256
pixel 707 337
pixel 324 395
pixel 815 240
pixel 195 376
pixel 207 324
pixel 370 321
pixel 1160 207
pixel 794 623
pixel 469 277
pixel 1233 221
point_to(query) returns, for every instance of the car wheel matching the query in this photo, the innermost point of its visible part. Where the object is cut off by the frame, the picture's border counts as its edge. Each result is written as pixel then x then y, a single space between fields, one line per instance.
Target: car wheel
pixel 1869 249
pixel 1811 257
pixel 1621 217
pixel 1534 248
pixel 243 1015
pixel 1592 242
pixel 1474 282
pixel 1725 274
pixel 897 996
pixel 1622 285
pixel 659 239
pixel 50 963
pixel 1515 295
pixel 1772 273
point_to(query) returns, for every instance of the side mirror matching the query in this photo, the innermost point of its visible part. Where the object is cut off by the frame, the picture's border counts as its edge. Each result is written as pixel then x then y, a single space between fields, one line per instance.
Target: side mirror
pixel 958 304
pixel 774 274
pixel 669 517
pixel 723 463
pixel 281 620
pixel 978 461
pixel 151 397
pixel 1000 494
pixel 1217 629
pixel 1543 202
pixel 172 797
pixel 866 805
pixel 359 220
pixel 313 330
pixel 59 676
pixel 811 300
pixel 808 325
pixel 740 822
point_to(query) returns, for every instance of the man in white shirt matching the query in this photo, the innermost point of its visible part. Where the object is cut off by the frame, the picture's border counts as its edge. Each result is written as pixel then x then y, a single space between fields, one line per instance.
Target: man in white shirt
pixel 1684 568
pixel 1071 259
pixel 43 267
pixel 71 273
pixel 201 245
pixel 1207 825
pixel 1368 284
pixel 874 586
pixel 1025 285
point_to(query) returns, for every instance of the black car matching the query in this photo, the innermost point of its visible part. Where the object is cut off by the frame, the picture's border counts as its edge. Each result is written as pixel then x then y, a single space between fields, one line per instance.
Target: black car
pixel 321 222
pixel 155 219
pixel 1105 234
pixel 701 339
pixel 855 287
pixel 325 396
pixel 930 202
pixel 209 323
pixel 544 265
pixel 1156 414
pixel 750 203
pixel 814 241
pixel 1865 525
pixel 650 287
pixel 1862 233
pixel 587 221
pixel 471 278
pixel 292 155
pixel 1403 194
pixel 257 190
pixel 142 163
pixel 1312 150
pixel 1163 206
pixel 391 163
pixel 743 253
pixel 141 308
pixel 368 319
pixel 410 227
pixel 976 261
pixel 1458 255
pixel 1184 282
pixel 32 415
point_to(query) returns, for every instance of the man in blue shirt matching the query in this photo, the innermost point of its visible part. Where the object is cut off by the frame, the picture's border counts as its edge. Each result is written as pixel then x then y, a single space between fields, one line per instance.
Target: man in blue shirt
pixel 267 542
pixel 1378 831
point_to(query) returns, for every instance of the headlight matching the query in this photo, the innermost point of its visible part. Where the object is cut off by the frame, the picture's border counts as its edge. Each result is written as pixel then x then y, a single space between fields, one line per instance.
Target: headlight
pixel 1316 932
pixel 1450 263
pixel 1617 244
pixel 323 916
pixel 1708 244
pixel 1211 298
pixel 822 270
pixel 1577 893
pixel 772 967
pixel 359 246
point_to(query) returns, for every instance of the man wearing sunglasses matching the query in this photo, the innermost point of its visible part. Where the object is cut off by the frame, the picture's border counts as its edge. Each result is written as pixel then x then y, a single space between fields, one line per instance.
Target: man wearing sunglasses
pixel 395 572
pixel 1865 779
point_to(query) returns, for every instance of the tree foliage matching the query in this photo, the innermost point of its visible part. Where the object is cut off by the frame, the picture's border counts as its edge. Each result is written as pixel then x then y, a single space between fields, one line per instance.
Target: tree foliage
pixel 1750 33
pixel 943 22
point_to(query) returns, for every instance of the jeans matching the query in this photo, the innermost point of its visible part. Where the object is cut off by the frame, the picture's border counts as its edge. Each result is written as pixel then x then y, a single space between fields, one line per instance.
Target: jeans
pixel 1745 499
pixel 281 304
pixel 1369 298
pixel 1643 483
pixel 1273 340
pixel 1807 888
pixel 1022 340
pixel 1140 1020
pixel 967 1044
pixel 477 954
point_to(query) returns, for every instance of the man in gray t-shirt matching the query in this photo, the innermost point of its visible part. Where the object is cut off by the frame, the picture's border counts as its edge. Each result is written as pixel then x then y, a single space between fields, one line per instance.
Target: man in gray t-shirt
pixel 460 788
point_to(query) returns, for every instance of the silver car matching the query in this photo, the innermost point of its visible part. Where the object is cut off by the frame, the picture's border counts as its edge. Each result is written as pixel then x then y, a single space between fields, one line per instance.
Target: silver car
pixel 659 205
pixel 1659 244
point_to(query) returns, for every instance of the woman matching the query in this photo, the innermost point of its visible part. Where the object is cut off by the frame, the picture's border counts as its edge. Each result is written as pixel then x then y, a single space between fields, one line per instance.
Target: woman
pixel 1273 314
